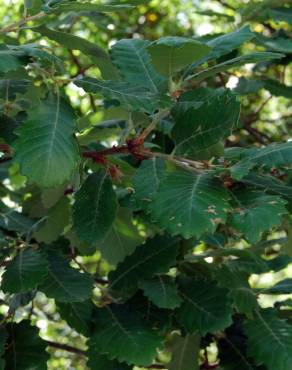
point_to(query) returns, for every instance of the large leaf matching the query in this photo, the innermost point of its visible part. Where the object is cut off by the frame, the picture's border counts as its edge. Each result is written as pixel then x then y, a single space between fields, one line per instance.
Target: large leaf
pixel 189 203
pixel 256 212
pixel 269 340
pixel 234 62
pixel 65 283
pixel 185 352
pixel 135 97
pixel 77 315
pixel 146 181
pixel 98 198
pixel 134 63
pixel 121 335
pixel 273 155
pixel 157 255
pixel 100 56
pixel 25 349
pixel 25 271
pixel 195 129
pixel 206 307
pixel 46 149
pixel 171 54
pixel 162 291
pixel 121 240
pixel 55 222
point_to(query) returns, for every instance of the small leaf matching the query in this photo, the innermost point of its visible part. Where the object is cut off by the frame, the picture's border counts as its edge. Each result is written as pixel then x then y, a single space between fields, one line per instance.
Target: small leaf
pixel 121 335
pixel 273 155
pixel 58 217
pixel 98 198
pixel 171 54
pixel 269 340
pixel 101 57
pixel 157 255
pixel 185 352
pixel 77 315
pixel 8 61
pixel 234 62
pixel 64 283
pixel 162 291
pixel 121 240
pixel 25 350
pixel 206 307
pixel 101 362
pixel 25 271
pixel 224 44
pixel 46 149
pixel 256 212
pixel 134 64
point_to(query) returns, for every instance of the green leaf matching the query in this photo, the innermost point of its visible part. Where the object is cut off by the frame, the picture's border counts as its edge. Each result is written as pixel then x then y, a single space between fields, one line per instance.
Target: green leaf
pixel 157 255
pixel 146 181
pixel 121 335
pixel 171 54
pixel 189 203
pixel 46 149
pixel 268 183
pixel 185 352
pixel 134 64
pixel 279 44
pixel 100 56
pixel 162 291
pixel 273 155
pixel 278 89
pixel 58 217
pixel 8 61
pixel 121 240
pixel 98 198
pixel 133 97
pixel 245 300
pixel 206 307
pixel 281 14
pixel 234 62
pixel 25 271
pixel 256 212
pixel 195 130
pixel 101 362
pixel 90 7
pixel 269 340
pixel 26 349
pixel 225 43
pixel 282 287
pixel 77 315
pixel 15 221
pixel 64 283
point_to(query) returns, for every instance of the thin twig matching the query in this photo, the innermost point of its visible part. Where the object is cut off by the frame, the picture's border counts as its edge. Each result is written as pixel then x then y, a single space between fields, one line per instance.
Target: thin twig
pixel 66 347
pixel 23 21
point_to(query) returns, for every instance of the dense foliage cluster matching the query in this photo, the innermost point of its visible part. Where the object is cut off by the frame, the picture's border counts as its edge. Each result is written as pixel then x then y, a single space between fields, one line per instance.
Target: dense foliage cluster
pixel 143 192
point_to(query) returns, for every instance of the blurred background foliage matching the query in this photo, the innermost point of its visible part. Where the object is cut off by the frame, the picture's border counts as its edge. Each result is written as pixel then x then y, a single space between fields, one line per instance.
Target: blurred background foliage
pixel 266 110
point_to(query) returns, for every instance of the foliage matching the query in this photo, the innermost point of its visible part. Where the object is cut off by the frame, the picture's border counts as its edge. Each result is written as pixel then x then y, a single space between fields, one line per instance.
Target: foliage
pixel 143 192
